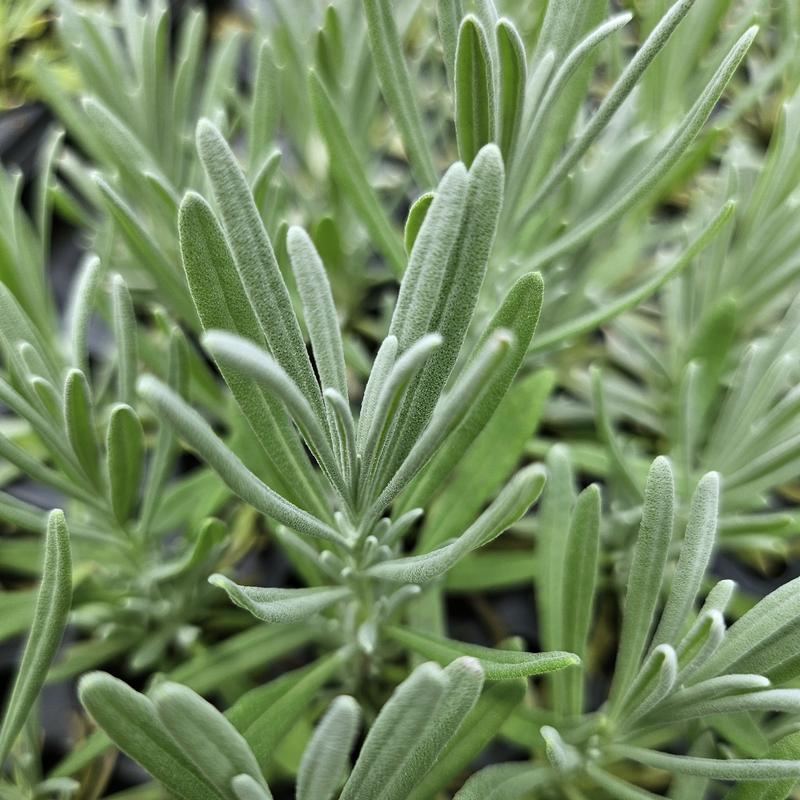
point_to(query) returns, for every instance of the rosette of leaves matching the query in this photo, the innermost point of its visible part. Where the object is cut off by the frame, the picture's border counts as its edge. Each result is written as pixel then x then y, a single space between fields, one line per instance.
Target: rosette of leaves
pixel 194 751
pixel 579 191
pixel 73 431
pixel 693 704
pixel 525 92
pixel 330 479
pixel 148 76
pixel 132 161
pixel 696 376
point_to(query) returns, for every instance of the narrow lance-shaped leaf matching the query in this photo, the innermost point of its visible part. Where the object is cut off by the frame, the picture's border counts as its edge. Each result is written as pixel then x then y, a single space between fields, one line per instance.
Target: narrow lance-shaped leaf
pixel 79 419
pixel 130 720
pixel 208 740
pixel 395 732
pixel 222 303
pixel 464 683
pixel 727 769
pixel 246 787
pixel 125 336
pixel 512 81
pixel 433 245
pixel 319 310
pixel 325 759
pixel 392 392
pixel 695 554
pixel 469 391
pixel 497 664
pixel 381 368
pixel 646 573
pixel 240 354
pixel 505 782
pixel 265 106
pixel 124 459
pixel 509 506
pixel 480 726
pixel 554 520
pixel 351 176
pixel 395 82
pixel 441 296
pixel 474 90
pixel 49 620
pixel 518 313
pixel 281 605
pixel 197 432
pixel 256 263
pixel 578 579
pixel 448 15
pixel 79 310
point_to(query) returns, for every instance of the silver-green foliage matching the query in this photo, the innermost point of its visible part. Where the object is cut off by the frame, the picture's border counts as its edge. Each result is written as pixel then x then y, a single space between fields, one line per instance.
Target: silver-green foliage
pixel 198 754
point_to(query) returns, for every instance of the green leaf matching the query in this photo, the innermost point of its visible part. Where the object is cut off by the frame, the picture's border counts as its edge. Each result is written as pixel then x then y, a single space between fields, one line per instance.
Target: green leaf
pixel 788 747
pixel 125 459
pixel 551 541
pixel 79 419
pixel 130 720
pixel 474 90
pixel 416 216
pixel 266 726
pixel 265 105
pixel 240 354
pixel 125 336
pixel 208 740
pixel 49 620
pixel 79 310
pixel 381 368
pixel 492 570
pixel 245 787
pixel 255 262
pixel 395 82
pixel 728 769
pixel 384 411
pixel 696 549
pixel 579 579
pixel 509 506
pixel 441 287
pixel 464 683
pixel 498 665
pixel 505 413
pixel 396 731
pixel 646 573
pixel 351 176
pixel 512 81
pixel 448 16
pixel 504 782
pixel 319 311
pixel 325 760
pixel 222 303
pixel 281 605
pixel 199 435
pixel 480 726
